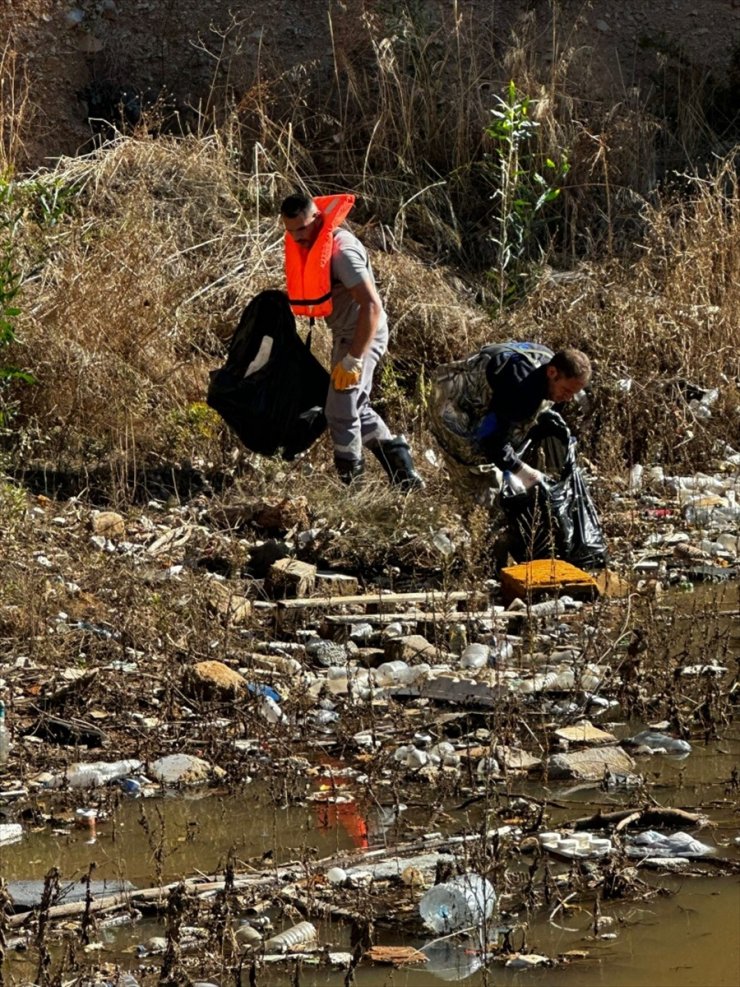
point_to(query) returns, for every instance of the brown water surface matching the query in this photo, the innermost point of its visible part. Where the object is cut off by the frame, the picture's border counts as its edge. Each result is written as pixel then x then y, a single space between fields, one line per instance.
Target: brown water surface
pixel 687 937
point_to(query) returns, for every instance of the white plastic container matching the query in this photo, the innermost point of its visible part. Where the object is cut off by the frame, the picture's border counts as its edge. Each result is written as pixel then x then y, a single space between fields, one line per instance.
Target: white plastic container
pixel 464 902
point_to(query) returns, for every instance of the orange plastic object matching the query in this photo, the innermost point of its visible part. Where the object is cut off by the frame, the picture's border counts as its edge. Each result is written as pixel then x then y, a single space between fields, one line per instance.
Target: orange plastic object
pixel 543 576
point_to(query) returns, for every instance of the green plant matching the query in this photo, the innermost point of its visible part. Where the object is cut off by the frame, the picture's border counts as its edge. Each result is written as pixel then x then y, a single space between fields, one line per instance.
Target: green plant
pixel 526 184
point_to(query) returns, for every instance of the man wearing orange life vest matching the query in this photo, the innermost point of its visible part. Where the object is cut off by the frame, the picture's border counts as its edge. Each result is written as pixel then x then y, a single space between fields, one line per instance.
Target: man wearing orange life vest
pixel 329 275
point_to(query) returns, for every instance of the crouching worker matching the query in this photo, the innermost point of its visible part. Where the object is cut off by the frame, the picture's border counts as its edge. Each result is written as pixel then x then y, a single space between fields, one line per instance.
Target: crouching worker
pixel 329 275
pixel 482 408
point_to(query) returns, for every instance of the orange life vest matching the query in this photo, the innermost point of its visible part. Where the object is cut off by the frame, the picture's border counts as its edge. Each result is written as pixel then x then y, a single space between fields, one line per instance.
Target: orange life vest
pixel 308 269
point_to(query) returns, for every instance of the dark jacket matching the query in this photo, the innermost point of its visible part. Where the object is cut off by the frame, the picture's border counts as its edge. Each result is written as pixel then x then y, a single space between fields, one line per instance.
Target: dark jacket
pixel 518 392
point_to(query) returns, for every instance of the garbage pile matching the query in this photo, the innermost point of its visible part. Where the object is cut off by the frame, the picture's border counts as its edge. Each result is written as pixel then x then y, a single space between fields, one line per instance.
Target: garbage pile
pixel 498 697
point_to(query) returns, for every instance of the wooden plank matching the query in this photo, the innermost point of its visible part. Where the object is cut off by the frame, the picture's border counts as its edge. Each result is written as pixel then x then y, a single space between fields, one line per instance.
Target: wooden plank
pixel 421 616
pixel 379 599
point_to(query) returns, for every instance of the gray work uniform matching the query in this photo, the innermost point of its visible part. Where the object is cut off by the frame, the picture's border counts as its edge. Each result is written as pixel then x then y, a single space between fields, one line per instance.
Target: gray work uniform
pixel 352 421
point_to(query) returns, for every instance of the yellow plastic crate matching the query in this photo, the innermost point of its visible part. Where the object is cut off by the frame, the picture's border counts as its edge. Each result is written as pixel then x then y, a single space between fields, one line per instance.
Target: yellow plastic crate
pixel 545 576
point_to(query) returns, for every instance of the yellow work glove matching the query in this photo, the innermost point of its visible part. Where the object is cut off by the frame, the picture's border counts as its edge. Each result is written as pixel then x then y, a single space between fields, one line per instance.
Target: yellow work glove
pixel 347 373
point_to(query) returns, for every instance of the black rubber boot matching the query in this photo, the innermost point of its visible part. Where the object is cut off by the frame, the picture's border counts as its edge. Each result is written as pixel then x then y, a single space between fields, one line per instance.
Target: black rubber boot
pixel 395 457
pixel 349 469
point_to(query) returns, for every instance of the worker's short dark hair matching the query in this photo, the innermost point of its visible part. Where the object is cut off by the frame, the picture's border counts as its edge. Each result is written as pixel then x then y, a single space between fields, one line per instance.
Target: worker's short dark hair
pixel 294 205
pixel 572 364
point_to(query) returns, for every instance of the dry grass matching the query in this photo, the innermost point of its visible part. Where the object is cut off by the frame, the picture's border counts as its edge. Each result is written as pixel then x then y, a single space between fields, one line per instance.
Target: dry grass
pixel 137 259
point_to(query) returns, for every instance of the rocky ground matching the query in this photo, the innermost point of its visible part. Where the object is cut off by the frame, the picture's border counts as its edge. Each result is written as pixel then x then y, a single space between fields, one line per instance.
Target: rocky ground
pixel 200 643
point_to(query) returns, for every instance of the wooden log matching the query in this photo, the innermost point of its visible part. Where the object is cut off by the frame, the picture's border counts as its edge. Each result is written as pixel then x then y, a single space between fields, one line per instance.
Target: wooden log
pixel 649 816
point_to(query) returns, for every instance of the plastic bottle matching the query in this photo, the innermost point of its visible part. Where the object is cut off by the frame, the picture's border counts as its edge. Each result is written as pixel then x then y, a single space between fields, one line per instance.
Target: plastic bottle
pixel 730 542
pixel 501 651
pixel 444 753
pixel 475 656
pixel 271 711
pixel 94 774
pixel 548 608
pixel 635 478
pixel 462 903
pixel 4 738
pixel 399 672
pixel 513 483
pixel 298 935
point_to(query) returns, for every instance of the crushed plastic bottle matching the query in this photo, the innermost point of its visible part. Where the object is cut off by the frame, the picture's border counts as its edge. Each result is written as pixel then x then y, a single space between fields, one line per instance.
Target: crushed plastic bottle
pixel 271 711
pixel 464 902
pixel 445 754
pixel 458 638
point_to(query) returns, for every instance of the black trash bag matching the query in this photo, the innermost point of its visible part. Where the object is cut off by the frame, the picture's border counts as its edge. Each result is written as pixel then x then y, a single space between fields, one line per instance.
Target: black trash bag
pixel 557 520
pixel 278 408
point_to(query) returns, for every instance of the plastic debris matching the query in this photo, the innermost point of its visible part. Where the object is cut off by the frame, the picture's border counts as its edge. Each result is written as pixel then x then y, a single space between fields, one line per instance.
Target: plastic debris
pixel 576 844
pixel 659 743
pixel 654 844
pixel 464 902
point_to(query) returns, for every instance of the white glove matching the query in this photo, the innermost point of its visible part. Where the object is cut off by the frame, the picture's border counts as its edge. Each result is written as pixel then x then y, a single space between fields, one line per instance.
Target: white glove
pixel 528 476
pixel 347 373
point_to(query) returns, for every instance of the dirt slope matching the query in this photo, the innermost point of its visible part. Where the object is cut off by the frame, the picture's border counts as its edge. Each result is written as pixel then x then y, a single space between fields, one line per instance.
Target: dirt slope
pixel 201 51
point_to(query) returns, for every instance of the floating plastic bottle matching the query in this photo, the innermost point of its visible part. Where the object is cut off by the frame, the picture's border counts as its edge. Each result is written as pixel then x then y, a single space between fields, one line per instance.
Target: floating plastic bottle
pixel 451 961
pixel 464 902
pixel 94 774
pixel 298 935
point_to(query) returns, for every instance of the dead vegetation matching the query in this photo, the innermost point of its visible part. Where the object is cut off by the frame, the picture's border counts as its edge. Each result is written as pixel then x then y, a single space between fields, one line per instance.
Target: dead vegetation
pixel 133 264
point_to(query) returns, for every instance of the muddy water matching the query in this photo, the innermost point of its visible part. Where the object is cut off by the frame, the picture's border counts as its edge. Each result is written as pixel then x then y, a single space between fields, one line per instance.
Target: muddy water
pixel 687 937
